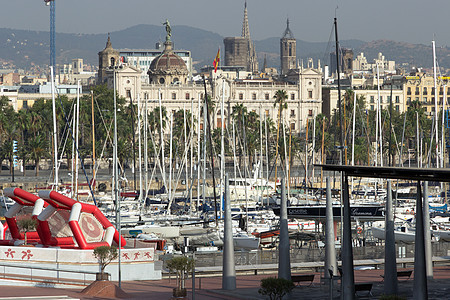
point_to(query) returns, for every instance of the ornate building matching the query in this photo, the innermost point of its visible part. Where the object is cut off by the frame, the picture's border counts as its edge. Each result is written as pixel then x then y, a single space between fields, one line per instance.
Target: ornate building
pixel 288 50
pixel 168 82
pixel 240 51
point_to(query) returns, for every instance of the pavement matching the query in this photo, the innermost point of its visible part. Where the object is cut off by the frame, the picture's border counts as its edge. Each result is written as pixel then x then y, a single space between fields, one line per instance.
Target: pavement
pixel 246 288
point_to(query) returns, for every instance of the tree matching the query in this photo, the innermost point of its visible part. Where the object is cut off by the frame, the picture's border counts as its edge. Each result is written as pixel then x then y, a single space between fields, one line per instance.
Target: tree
pixel 181 265
pixel 105 255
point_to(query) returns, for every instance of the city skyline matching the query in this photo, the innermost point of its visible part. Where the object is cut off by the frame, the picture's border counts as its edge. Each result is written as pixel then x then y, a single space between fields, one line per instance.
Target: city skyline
pixel 412 21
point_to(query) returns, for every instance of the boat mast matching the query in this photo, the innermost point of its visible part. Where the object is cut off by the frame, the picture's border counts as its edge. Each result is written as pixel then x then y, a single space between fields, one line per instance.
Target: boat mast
pixel 55 136
pixel 146 150
pixel 162 139
pixel 93 136
pixel 141 188
pixel 222 149
pixel 435 104
pixel 198 153
pixel 76 138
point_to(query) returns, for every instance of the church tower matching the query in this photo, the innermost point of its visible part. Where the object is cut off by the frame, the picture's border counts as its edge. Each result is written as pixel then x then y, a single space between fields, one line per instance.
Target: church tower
pixel 288 50
pixel 108 57
pixel 240 51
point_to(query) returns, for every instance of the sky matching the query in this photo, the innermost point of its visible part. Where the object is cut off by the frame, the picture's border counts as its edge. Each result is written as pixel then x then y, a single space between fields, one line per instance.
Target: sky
pixel 413 21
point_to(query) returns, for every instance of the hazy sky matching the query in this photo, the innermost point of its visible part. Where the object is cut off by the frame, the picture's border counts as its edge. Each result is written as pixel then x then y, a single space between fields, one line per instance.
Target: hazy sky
pixel 415 21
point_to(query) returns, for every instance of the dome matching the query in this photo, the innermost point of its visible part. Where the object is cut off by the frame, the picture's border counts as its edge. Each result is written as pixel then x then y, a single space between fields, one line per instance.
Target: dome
pixel 167 67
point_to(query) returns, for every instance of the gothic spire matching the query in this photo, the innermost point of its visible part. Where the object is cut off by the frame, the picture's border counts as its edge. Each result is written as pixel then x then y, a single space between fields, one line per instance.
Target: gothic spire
pixel 245 28
pixel 287 32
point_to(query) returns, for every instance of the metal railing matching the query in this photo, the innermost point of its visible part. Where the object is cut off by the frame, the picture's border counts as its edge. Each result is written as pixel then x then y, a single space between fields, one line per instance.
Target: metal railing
pixel 8 273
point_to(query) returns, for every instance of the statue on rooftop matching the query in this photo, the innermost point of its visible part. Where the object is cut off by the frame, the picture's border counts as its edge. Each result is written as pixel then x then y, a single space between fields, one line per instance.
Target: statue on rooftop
pixel 168 30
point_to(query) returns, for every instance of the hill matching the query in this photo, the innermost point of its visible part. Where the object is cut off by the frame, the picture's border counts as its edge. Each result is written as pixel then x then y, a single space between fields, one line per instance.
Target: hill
pixel 26 49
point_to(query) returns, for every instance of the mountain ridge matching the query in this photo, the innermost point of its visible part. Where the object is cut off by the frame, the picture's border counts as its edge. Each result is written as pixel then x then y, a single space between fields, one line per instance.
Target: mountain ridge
pixel 26 49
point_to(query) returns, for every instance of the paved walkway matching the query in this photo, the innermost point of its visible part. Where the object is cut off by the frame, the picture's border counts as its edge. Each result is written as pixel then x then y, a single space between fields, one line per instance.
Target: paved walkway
pixel 247 288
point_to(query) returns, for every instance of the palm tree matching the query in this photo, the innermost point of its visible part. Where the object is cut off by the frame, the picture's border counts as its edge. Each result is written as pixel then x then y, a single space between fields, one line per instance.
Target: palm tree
pixel 38 150
pixel 280 100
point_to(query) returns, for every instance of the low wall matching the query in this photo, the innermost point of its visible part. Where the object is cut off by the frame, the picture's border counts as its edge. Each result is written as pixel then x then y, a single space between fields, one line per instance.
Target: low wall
pixel 136 264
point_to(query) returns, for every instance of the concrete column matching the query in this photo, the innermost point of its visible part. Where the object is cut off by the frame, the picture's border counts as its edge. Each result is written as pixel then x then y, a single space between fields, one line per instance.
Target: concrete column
pixel 427 232
pixel 420 289
pixel 330 250
pixel 229 272
pixel 348 276
pixel 390 260
pixel 284 261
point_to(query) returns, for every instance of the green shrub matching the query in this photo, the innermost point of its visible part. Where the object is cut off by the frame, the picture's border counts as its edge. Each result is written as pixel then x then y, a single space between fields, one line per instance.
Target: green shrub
pixel 275 288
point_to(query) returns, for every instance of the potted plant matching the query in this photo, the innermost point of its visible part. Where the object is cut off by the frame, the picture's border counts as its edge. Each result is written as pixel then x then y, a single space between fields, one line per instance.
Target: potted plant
pixel 26 225
pixel 275 288
pixel 104 254
pixel 181 265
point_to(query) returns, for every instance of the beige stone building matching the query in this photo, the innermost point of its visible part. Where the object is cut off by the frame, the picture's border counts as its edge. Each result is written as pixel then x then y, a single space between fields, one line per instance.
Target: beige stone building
pixel 421 88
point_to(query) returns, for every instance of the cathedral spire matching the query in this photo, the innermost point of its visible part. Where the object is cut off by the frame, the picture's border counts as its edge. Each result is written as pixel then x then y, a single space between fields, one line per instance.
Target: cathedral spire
pixel 245 28
pixel 287 32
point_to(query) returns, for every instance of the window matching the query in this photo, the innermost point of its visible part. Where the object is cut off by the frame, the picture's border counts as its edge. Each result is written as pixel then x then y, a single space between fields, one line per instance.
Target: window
pixel 219 122
pixel 397 99
pixel 388 99
pixel 381 99
pixel 441 91
pixel 25 104
pixel 146 96
pixel 372 99
pixel 417 90
pixel 201 126
pixel 292 126
pixel 425 99
pixel 397 107
pixel 292 112
pixel 267 113
pixel 267 97
pixel 310 112
pixel 161 80
pixel 174 96
pixel 409 91
pixel 371 107
pixel 292 96
pixel 218 112
pixel 408 100
pixel 432 91
pixel 241 96
pixel 188 96
pixel 425 91
pixel 310 94
pixel 128 93
pixel 254 96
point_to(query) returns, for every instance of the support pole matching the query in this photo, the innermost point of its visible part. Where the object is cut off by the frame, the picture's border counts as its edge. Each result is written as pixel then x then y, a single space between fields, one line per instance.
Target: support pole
pixel 330 250
pixel 420 290
pixel 390 265
pixel 229 272
pixel 284 262
pixel 427 232
pixel 348 277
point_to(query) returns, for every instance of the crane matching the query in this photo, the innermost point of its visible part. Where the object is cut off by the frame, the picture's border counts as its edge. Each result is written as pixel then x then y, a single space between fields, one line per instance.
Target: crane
pixel 51 3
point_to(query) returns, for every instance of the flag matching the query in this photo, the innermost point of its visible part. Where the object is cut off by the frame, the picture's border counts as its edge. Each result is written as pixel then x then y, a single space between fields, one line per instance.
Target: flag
pixel 216 61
